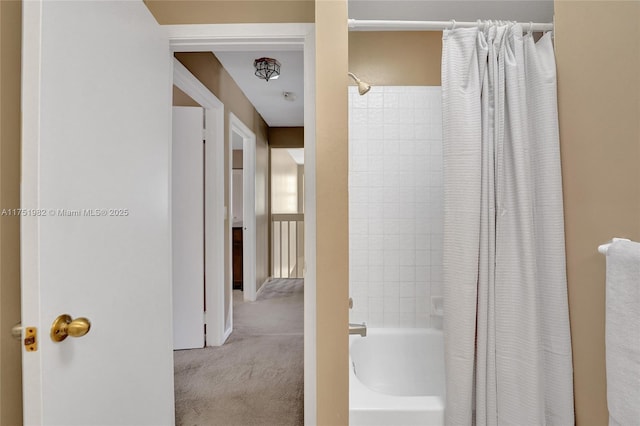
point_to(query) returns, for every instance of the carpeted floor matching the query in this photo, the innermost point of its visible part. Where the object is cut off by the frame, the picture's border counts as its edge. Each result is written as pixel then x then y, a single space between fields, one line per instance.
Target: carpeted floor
pixel 256 377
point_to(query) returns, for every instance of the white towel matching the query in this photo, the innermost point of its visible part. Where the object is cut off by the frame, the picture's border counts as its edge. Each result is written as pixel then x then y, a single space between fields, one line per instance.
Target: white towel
pixel 623 333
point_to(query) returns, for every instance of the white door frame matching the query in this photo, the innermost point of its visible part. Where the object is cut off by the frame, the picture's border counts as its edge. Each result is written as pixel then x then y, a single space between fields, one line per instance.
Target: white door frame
pixel 248 206
pixel 217 333
pixel 251 37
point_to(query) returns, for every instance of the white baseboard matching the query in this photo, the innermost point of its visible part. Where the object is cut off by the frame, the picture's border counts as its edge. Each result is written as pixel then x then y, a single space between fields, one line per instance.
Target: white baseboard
pixel 226 335
pixel 262 286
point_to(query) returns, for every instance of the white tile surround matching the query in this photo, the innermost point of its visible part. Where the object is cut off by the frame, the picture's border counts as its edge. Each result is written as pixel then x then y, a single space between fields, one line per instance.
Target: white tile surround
pixel 395 205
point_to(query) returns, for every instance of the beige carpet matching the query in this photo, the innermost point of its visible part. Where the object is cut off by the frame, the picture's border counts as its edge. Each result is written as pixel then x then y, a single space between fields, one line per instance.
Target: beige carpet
pixel 256 377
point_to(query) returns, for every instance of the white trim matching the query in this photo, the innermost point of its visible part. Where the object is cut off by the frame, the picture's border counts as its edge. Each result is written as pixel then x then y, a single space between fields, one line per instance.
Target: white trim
pixel 214 200
pixel 309 271
pixel 30 229
pixel 238 37
pixel 188 83
pixel 248 203
pixel 228 331
pixel 262 287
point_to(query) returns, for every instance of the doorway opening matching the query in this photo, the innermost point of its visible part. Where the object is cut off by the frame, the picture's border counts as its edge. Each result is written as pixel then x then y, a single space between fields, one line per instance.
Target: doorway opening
pixel 243 228
pixel 267 331
pixel 218 315
pixel 237 194
pixel 252 37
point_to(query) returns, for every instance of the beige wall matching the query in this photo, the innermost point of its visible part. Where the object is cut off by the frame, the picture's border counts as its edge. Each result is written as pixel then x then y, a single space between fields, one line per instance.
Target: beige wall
pixel 332 223
pixel 10 349
pixel 598 62
pixel 206 67
pixel 286 137
pixel 390 58
pixel 230 11
pixel 182 99
pixel 236 160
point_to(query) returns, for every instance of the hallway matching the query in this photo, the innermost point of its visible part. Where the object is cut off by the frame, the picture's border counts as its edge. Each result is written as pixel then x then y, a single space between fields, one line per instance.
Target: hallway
pixel 256 377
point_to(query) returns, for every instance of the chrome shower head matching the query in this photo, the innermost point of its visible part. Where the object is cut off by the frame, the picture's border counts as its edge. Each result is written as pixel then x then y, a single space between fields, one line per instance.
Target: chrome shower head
pixel 363 87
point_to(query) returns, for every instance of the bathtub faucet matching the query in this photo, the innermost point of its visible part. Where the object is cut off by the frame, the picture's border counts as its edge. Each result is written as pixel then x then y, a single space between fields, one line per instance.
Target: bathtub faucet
pixel 360 329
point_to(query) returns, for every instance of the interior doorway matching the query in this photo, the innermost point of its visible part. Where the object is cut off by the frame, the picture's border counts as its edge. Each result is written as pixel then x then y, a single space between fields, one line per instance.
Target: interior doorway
pixel 237 194
pixel 217 317
pixel 268 331
pixel 234 37
pixel 242 139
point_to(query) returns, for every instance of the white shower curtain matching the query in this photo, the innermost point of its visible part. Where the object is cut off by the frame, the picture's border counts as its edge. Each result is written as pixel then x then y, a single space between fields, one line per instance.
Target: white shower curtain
pixel 507 339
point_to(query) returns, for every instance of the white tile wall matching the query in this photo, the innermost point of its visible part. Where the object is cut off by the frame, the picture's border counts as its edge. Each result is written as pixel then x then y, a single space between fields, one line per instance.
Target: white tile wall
pixel 395 205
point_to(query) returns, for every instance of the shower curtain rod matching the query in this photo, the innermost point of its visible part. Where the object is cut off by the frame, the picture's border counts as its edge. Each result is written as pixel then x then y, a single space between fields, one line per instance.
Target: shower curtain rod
pixel 381 25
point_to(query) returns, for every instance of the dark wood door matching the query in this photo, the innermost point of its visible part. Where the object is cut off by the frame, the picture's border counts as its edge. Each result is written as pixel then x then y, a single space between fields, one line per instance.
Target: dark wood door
pixel 237 258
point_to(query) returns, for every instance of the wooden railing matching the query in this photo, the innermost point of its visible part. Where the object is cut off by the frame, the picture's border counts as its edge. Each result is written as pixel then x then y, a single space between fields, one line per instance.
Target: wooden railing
pixel 287 254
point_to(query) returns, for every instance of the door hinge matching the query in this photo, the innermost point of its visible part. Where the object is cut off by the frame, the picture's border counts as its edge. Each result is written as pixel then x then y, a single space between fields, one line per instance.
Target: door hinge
pixel 204 135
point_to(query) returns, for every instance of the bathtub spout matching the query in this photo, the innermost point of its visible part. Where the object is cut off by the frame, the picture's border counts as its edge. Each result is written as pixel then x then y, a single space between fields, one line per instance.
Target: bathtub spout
pixel 360 329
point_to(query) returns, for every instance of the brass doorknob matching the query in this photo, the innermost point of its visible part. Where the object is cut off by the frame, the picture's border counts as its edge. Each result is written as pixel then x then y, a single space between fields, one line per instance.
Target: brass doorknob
pixel 16 331
pixel 64 326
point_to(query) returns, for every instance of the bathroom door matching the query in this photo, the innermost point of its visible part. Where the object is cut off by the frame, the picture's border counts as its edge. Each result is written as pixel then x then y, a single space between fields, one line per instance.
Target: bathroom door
pixel 95 238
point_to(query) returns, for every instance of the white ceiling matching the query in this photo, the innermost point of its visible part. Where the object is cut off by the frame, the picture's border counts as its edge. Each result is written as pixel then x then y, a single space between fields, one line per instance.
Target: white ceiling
pixel 267 97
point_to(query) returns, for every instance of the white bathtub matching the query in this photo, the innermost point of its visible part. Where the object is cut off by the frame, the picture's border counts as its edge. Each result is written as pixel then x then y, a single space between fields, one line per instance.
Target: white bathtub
pixel 396 378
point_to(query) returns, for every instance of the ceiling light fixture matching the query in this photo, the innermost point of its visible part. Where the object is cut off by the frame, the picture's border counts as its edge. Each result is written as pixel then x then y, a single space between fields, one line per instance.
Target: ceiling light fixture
pixel 267 68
